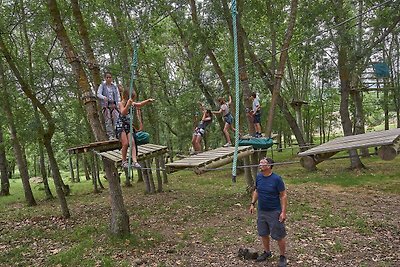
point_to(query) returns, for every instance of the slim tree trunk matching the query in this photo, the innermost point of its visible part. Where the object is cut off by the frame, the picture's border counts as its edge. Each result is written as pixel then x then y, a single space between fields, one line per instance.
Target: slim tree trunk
pixel 26 88
pixel 5 183
pixel 83 33
pixel 281 67
pixel 281 102
pixel 119 216
pixel 19 153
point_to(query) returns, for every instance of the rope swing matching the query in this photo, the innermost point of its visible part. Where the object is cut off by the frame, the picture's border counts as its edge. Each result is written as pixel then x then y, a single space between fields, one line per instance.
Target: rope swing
pixel 235 45
pixel 133 79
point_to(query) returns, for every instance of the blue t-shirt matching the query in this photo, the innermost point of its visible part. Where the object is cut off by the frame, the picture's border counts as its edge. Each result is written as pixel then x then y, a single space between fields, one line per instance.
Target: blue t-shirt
pixel 268 189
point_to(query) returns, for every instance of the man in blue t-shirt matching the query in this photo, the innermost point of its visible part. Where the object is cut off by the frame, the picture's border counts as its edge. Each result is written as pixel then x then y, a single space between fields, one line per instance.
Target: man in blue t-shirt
pixel 272 201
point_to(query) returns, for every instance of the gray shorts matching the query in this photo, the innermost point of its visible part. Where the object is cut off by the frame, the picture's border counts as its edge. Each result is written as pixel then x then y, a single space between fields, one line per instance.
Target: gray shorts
pixel 268 224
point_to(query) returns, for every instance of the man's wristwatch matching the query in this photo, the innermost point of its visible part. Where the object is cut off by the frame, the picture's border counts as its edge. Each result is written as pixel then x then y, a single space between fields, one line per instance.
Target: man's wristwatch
pixel 253 203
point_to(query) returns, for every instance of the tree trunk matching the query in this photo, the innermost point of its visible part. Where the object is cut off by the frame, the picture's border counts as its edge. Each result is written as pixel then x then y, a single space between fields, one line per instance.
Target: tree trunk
pixel 26 88
pixel 19 153
pixel 56 178
pixel 42 165
pixel 119 216
pixel 281 67
pixel 281 102
pixel 5 183
pixel 83 33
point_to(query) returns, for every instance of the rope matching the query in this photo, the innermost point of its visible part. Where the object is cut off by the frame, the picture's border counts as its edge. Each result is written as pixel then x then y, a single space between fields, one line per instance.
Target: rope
pixel 237 84
pixel 133 78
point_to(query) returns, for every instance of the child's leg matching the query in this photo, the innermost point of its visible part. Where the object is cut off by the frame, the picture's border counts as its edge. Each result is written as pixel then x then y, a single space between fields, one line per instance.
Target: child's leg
pixel 124 143
pixel 134 152
pixel 194 142
pixel 228 138
pixel 198 143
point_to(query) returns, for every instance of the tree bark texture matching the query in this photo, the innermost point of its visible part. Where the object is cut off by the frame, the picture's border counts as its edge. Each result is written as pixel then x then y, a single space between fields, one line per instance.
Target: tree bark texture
pixel 119 216
pixel 83 33
pixel 281 68
pixel 18 150
pixel 5 183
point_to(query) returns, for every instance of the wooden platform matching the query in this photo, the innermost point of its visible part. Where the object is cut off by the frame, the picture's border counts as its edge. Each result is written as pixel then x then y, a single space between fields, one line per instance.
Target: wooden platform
pixel 388 141
pixel 210 159
pixel 145 152
pixel 97 146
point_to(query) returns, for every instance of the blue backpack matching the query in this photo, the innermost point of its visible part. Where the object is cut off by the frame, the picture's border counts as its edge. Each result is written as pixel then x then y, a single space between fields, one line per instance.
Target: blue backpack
pixel 142 138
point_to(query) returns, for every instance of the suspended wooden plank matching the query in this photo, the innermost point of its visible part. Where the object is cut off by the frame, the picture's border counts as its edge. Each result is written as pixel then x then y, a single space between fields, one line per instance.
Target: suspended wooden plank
pixel 222 155
pixel 98 146
pixel 144 152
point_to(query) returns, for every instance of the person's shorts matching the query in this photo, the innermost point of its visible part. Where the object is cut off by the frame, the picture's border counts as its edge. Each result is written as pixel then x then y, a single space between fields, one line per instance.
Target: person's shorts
pixel 228 118
pixel 199 131
pixel 257 117
pixel 122 125
pixel 268 224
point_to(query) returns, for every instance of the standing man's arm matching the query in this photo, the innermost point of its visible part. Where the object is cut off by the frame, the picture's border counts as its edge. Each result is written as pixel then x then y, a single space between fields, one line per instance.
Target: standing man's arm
pixel 254 199
pixel 283 199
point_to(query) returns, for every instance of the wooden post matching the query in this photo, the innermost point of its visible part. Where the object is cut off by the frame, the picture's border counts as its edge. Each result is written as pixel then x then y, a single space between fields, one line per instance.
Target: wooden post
pixel 150 175
pixel 164 172
pixel 77 169
pixel 387 152
pixel 145 177
pixel 127 178
pixel 94 179
pixel 96 160
pixel 71 168
pixel 158 172
pixel 309 163
pixel 140 173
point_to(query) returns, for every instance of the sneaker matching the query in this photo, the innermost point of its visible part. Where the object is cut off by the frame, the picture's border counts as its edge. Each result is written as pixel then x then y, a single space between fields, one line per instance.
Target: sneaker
pixel 124 165
pixel 227 145
pixel 282 261
pixel 264 256
pixel 136 165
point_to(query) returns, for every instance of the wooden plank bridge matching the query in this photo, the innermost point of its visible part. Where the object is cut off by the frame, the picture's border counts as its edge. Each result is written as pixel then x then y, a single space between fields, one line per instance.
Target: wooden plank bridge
pixel 388 141
pixel 210 159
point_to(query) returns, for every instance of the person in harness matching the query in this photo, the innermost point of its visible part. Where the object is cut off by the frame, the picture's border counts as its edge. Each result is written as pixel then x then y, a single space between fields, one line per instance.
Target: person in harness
pixel 109 98
pixel 200 130
pixel 256 114
pixel 123 127
pixel 228 118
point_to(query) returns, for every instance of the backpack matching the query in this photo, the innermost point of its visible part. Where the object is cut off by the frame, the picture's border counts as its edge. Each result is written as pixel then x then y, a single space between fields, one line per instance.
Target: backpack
pixel 142 138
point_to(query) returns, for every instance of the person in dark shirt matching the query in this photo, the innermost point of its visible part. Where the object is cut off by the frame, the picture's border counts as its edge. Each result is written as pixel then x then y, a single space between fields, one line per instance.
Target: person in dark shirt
pixel 271 212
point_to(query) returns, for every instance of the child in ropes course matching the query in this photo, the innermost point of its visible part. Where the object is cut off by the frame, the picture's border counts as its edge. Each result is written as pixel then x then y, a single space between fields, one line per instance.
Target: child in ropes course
pixel 200 130
pixel 123 127
pixel 224 109
pixel 256 114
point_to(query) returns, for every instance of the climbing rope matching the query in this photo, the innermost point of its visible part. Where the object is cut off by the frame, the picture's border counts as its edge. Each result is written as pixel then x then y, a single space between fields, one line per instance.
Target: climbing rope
pixel 133 78
pixel 235 45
